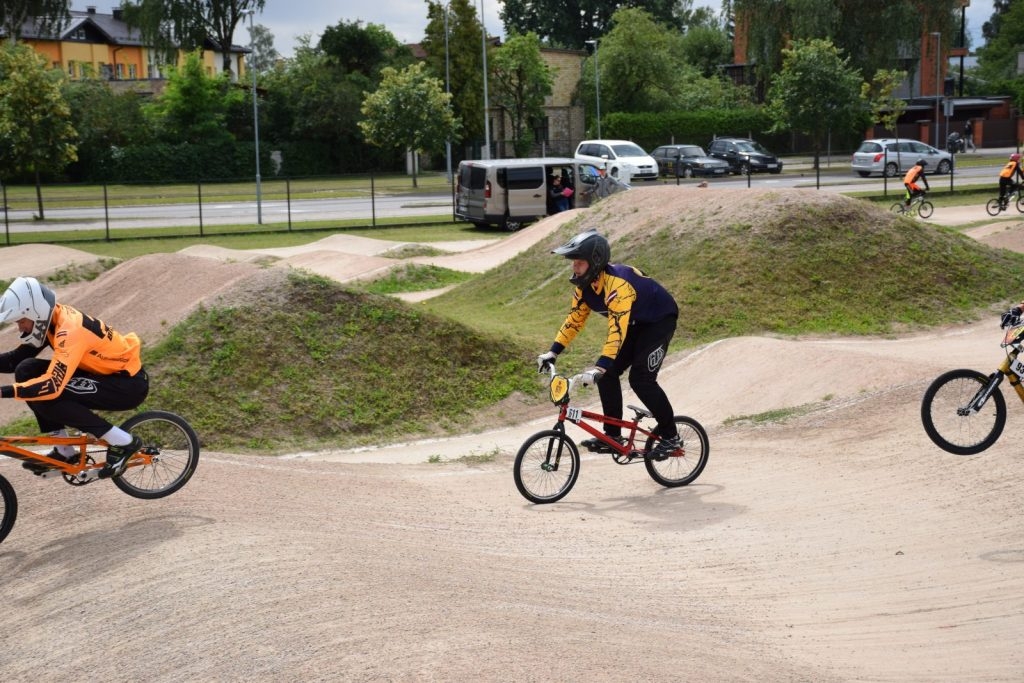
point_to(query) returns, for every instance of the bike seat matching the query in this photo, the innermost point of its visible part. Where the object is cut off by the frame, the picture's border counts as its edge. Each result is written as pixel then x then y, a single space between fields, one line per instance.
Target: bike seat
pixel 640 412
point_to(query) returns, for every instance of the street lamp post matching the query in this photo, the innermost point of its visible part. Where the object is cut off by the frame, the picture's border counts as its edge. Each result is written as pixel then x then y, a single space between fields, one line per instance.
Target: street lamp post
pixel 938 42
pixel 485 153
pixel 597 85
pixel 448 91
pixel 255 119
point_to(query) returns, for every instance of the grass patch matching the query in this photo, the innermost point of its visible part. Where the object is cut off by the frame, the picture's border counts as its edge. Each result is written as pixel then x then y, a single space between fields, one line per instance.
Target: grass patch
pixel 416 278
pixel 771 416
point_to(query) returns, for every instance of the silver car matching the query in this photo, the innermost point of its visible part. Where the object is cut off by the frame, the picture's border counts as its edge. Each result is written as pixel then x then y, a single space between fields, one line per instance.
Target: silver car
pixel 892 157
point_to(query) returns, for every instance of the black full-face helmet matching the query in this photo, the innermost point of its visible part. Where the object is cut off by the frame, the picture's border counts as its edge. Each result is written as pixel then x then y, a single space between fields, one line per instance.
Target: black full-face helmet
pixel 589 246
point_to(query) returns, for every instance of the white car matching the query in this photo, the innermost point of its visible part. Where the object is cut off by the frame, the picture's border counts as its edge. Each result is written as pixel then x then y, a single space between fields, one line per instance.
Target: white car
pixel 892 157
pixel 621 159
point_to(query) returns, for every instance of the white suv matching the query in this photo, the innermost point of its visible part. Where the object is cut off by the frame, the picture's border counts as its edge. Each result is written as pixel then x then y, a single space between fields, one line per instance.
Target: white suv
pixel 621 159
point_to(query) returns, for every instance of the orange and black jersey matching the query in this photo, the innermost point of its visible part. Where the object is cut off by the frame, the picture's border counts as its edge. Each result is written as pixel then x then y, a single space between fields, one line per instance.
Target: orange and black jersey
pixel 78 342
pixel 1010 169
pixel 627 297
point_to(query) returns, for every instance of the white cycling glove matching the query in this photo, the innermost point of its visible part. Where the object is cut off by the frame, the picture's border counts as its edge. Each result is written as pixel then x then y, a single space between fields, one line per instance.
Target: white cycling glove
pixel 588 378
pixel 546 359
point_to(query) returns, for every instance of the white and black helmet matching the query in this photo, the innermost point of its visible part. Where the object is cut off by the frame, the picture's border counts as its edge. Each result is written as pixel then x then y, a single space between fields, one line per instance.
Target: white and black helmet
pixel 28 298
pixel 589 246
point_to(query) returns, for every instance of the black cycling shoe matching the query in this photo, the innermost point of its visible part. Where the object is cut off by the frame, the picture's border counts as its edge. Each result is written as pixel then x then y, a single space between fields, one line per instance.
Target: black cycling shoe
pixel 595 445
pixel 41 468
pixel 118 457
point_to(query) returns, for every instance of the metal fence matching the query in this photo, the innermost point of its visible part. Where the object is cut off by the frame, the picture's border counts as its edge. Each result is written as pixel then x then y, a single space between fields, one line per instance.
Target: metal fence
pixel 69 213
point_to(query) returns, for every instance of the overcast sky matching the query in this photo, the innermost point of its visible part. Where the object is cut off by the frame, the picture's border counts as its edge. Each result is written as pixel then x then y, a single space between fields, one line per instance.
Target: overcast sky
pixel 407 19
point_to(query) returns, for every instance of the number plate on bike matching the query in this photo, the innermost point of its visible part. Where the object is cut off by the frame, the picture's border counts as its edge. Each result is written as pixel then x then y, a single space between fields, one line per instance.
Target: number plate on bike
pixel 573 414
pixel 1018 367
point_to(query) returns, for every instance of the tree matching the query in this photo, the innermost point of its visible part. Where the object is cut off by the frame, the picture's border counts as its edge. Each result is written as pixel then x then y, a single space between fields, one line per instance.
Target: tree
pixel 569 24
pixel 816 91
pixel 707 48
pixel 640 60
pixel 106 120
pixel 464 60
pixel 880 95
pixel 363 50
pixel 263 56
pixel 521 79
pixel 36 135
pixel 409 111
pixel 50 15
pixel 997 60
pixel 895 28
pixel 172 25
pixel 193 107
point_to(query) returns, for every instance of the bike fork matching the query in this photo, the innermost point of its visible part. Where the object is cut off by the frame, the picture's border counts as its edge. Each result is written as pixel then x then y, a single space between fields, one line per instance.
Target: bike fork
pixel 981 398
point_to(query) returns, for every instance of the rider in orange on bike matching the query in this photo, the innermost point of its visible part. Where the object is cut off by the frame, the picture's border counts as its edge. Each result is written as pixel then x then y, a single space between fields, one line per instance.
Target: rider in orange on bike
pixel 1007 175
pixel 915 173
pixel 93 367
pixel 641 321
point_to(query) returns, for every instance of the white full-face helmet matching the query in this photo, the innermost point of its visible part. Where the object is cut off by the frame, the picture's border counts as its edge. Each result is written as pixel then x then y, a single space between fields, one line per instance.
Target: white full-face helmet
pixel 28 298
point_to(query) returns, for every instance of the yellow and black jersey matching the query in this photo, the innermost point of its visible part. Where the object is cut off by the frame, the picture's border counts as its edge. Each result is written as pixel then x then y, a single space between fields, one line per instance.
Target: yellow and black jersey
pixel 79 342
pixel 626 297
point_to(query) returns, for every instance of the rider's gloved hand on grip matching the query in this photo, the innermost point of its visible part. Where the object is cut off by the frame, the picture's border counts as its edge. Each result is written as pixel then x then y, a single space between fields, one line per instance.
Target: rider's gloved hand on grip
pixel 586 379
pixel 1011 317
pixel 546 359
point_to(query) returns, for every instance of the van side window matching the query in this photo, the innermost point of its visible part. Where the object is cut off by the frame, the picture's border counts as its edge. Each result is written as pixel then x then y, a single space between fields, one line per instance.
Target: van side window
pixel 525 178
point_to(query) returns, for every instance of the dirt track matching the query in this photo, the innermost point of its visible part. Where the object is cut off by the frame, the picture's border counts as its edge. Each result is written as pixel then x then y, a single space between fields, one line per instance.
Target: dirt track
pixel 837 546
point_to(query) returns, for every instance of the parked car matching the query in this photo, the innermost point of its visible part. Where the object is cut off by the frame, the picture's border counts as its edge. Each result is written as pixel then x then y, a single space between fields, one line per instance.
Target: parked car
pixel 687 161
pixel 892 157
pixel 621 159
pixel 744 156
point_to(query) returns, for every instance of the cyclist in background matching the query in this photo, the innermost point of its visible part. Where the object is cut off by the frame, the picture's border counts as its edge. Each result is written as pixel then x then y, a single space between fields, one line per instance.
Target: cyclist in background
pixel 641 321
pixel 915 173
pixel 1010 172
pixel 93 367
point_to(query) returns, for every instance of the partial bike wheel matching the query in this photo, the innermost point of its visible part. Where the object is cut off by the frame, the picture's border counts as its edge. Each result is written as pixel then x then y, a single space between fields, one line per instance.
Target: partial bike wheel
pixel 546 466
pixel 1020 204
pixel 8 508
pixel 948 421
pixel 925 209
pixel 992 206
pixel 688 462
pixel 172 445
pixel 898 207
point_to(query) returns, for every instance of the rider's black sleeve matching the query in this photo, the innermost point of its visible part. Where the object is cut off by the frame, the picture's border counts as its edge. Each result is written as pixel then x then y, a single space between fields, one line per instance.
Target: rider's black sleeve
pixel 10 359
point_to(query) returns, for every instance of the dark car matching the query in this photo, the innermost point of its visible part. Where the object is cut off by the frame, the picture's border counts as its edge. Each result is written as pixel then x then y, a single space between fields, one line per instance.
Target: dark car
pixel 687 161
pixel 745 156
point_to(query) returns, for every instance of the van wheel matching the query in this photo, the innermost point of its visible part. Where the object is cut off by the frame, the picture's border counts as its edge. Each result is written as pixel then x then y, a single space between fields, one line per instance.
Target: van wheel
pixel 512 225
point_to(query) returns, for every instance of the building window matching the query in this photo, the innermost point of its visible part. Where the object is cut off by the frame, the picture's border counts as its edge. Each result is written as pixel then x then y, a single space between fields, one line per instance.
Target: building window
pixel 71 69
pixel 132 72
pixel 120 72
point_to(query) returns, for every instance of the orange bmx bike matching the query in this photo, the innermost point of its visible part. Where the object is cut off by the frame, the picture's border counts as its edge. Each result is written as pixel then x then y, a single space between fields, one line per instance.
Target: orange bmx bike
pixel 165 463
pixel 548 463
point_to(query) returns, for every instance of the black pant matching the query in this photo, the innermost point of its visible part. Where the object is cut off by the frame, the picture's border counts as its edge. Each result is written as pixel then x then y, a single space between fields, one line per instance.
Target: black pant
pixel 1005 187
pixel 644 350
pixel 83 393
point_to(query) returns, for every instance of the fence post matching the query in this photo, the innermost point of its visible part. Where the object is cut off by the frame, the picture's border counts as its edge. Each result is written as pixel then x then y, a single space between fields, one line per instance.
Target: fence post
pixel 7 218
pixel 288 198
pixel 373 203
pixel 106 212
pixel 199 185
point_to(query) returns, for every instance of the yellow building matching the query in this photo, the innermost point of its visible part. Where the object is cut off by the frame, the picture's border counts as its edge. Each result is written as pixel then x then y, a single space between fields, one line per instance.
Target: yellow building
pixel 95 45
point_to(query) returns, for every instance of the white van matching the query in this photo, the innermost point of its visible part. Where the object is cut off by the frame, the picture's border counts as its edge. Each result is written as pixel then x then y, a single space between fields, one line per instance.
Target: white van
pixel 514 192
pixel 623 159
